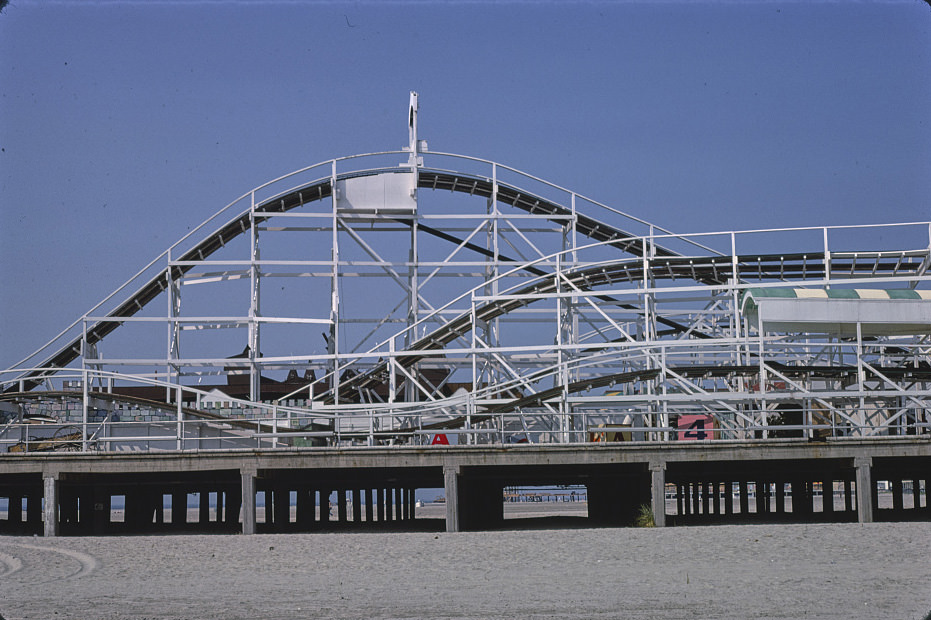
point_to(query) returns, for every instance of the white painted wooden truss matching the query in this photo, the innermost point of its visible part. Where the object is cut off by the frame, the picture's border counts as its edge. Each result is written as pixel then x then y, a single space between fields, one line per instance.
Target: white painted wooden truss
pixel 414 294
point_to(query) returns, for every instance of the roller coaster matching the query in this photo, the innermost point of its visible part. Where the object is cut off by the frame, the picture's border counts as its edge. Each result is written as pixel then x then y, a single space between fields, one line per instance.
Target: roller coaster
pixel 464 301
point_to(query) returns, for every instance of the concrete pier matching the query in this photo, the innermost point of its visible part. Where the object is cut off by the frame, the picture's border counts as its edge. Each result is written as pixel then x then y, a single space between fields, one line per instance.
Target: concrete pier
pixel 248 501
pixel 864 480
pixel 375 488
pixel 49 512
pixel 451 485
pixel 658 493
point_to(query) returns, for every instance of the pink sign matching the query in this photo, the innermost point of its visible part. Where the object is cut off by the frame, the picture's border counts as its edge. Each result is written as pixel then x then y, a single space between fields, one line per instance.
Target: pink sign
pixel 693 427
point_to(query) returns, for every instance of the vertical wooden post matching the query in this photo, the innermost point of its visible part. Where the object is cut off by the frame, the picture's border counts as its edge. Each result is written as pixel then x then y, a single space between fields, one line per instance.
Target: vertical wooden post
pixel 658 479
pixel 761 503
pixel 325 505
pixel 827 496
pixel 248 501
pixel 369 506
pixel 50 512
pixel 356 506
pixel 178 509
pixel 865 488
pixel 204 508
pixel 897 494
pixel 451 484
pixel 341 512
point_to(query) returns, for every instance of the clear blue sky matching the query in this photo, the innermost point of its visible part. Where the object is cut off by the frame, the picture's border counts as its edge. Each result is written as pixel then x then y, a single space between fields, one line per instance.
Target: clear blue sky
pixel 124 124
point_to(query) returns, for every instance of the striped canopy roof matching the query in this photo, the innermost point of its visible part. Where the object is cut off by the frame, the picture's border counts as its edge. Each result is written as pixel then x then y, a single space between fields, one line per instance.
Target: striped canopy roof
pixel 751 294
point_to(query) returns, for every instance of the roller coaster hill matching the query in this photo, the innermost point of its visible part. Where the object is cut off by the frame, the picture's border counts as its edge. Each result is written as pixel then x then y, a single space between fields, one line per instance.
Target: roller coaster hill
pixel 414 298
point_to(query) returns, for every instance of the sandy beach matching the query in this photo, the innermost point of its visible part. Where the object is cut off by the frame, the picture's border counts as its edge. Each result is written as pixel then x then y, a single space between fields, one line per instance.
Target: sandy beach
pixel 759 571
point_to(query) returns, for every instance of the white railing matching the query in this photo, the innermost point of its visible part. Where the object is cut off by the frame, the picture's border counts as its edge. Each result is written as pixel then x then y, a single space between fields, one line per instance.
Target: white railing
pixel 99 420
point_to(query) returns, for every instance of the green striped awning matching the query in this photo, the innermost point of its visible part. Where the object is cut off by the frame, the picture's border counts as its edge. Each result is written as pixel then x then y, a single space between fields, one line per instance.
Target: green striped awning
pixel 747 301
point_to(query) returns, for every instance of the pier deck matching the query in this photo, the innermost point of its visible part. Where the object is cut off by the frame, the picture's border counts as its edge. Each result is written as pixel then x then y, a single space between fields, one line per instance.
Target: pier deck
pixel 687 483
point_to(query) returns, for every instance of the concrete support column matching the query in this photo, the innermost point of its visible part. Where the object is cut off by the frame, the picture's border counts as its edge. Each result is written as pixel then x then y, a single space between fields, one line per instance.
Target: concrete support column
pixel 865 489
pixel 827 496
pixel 94 511
pixel 133 516
pixel 798 496
pixel 304 510
pixel 233 506
pixel 341 506
pixel 356 506
pixel 158 506
pixel 130 509
pixel 807 497
pixel 897 495
pixel 282 500
pixel 380 504
pixel 451 483
pixel 203 507
pixel 15 508
pixel 248 500
pixel 658 478
pixel 50 511
pixel 178 509
pixel 745 498
pixel 325 506
pixel 398 505
pixel 369 495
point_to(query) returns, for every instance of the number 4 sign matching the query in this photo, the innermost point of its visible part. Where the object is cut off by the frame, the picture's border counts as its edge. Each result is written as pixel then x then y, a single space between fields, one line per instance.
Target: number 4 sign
pixel 693 427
